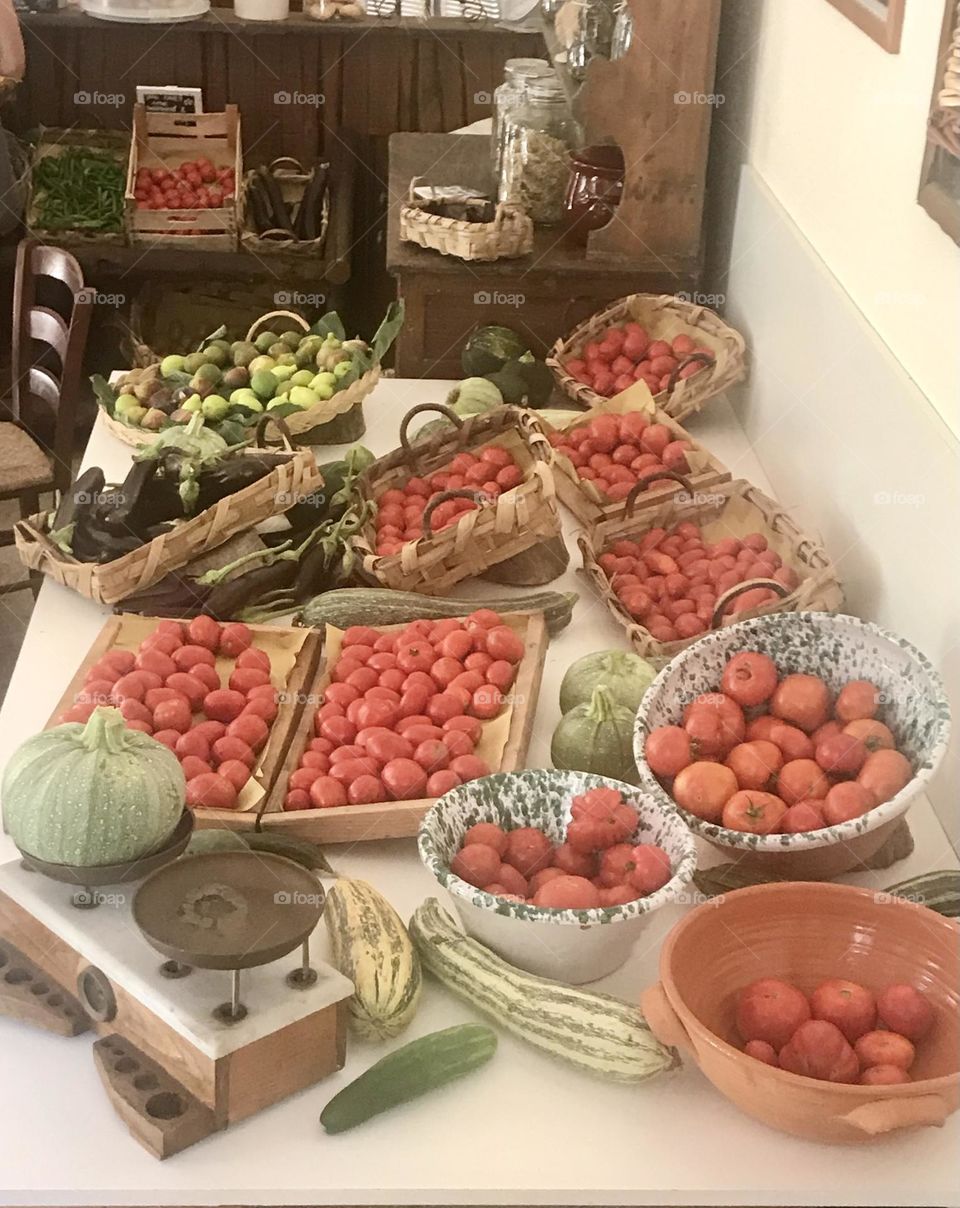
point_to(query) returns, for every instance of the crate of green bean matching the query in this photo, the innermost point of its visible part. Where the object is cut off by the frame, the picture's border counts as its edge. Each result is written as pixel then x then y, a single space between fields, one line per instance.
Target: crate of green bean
pixel 77 180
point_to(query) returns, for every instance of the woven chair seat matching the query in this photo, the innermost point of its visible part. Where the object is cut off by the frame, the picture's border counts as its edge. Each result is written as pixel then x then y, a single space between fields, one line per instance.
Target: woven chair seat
pixel 23 464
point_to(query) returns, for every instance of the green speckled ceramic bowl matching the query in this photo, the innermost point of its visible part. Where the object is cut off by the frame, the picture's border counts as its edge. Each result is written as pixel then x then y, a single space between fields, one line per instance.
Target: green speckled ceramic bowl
pixel 838 649
pixel 573 946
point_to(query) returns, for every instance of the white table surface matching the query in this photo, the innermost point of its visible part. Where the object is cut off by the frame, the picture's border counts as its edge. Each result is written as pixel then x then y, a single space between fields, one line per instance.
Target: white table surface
pixel 526 1129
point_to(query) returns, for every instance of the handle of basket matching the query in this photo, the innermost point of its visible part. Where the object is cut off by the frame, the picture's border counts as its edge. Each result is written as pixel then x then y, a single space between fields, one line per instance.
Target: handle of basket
pixel 286 161
pixel 477 496
pixel 411 195
pixel 282 427
pixel 738 589
pixel 276 314
pixel 417 410
pixel 642 484
pixel 505 210
pixel 702 358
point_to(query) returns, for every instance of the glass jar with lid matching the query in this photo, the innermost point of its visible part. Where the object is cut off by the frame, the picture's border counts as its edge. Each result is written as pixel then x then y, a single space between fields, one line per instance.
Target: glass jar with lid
pixel 537 143
pixel 508 95
pixel 622 31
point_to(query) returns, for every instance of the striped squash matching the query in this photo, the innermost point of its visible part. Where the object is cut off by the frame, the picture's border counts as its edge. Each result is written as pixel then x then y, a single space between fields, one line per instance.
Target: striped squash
pixel 371 947
pixel 592 1031
pixel 938 891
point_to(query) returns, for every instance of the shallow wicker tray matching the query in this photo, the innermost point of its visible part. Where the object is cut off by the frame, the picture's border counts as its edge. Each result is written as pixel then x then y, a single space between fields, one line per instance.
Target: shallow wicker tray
pixel 664 316
pixel 510 234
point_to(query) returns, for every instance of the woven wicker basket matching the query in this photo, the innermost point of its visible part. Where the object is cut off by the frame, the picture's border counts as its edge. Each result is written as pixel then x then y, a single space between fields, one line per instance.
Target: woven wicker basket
pixel 54 140
pixel 518 519
pixel 733 509
pixel 510 233
pixel 292 181
pixel 591 508
pixel 109 582
pixel 664 316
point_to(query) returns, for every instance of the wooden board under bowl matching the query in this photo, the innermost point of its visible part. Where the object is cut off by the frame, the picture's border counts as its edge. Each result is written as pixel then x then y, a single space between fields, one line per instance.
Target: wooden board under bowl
pixel 123 631
pixel 401 819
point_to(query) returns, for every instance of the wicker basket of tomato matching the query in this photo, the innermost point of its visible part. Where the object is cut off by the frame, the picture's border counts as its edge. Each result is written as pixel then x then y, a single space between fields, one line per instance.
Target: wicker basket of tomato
pixel 627 448
pixel 684 352
pixel 703 560
pixel 450 505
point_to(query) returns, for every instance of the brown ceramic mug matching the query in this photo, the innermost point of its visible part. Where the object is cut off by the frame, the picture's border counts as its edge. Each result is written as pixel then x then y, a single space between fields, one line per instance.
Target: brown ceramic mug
pixel 593 192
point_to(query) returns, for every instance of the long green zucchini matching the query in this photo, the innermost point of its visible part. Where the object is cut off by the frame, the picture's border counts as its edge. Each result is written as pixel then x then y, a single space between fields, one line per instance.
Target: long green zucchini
pixel 592 1031
pixel 409 1072
pixel 939 891
pixel 377 606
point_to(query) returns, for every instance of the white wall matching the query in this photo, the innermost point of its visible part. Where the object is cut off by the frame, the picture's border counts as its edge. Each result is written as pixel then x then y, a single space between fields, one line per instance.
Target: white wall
pixel 836 130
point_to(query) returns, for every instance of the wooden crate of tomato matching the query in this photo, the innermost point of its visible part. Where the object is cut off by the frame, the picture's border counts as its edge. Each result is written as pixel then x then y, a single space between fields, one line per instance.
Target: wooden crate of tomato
pixel 601 459
pixel 223 697
pixel 399 715
pixel 671 573
pixel 182 179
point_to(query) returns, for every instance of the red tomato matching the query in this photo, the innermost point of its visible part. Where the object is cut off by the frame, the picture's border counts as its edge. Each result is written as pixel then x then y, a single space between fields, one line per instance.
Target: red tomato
pixel 242 679
pixel 905 1010
pixel 193 743
pixel 445 670
pixel 362 679
pixel 574 862
pixel 749 678
pixel 134 710
pixel 476 864
pixel 456 645
pixel 404 779
pixel 792 742
pixel 470 726
pixel 441 782
pixel 801 700
pixel 667 751
pixel 166 643
pixel 444 705
pixel 840 754
pixel 488 833
pixel 418 656
pixel 847 1005
pixel 376 712
pixel 235 638
pixel 818 1049
pixel 729 714
pixel 156 696
pixel 885 1048
pixel 211 730
pixel 755 764
pixel 232 748
pixel 857 701
pixel 366 790
pixel 528 850
pixel 250 729
pixel 771 1010
pixel 457 742
pixel 302 778
pixel 761 1051
pixel 340 694
pixel 204 631
pixel 478 661
pixel 469 767
pixel 224 705
pixel 884 1075
pixel 327 793
pixel 704 788
pixel 885 773
pixel 173 715
pixel 486 702
pixel 193 766
pixel 802 780
pixel 236 771
pixel 874 735
pixel 432 755
pixel 804 816
pixel 568 893
pixel 502 642
pixel 755 812
pixel 212 791
pixel 207 676
pixel 651 868
pixel 349 770
pixel 188 656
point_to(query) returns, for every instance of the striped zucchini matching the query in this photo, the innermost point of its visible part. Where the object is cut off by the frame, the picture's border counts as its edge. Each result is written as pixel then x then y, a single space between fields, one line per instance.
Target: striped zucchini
pixel 939 891
pixel 592 1031
pixel 409 1072
pixel 376 606
pixel 371 947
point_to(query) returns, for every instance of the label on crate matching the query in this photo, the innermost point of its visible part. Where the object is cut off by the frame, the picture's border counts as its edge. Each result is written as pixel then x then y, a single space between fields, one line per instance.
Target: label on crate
pixel 170 98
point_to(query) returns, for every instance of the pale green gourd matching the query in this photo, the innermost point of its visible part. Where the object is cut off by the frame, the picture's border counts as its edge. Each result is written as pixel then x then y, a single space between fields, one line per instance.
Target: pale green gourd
pixel 625 675
pixel 92 793
pixel 596 737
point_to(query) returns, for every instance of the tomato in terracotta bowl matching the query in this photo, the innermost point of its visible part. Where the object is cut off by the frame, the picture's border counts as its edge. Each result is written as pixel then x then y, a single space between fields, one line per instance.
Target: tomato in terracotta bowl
pixel 812 939
pixel 793 743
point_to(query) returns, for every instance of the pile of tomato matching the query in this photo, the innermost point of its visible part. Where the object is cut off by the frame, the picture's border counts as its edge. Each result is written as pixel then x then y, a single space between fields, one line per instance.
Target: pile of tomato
pixel 489 472
pixel 404 711
pixel 171 689
pixel 195 185
pixel 627 354
pixel 841 1033
pixel 767 754
pixel 670 579
pixel 596 865
pixel 615 452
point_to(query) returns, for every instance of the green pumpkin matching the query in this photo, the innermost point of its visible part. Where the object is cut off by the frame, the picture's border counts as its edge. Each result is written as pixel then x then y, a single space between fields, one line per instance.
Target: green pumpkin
pixel 92 793
pixel 625 676
pixel 596 737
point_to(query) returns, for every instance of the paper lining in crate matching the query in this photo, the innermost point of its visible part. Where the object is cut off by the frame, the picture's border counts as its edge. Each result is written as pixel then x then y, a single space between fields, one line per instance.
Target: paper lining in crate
pixel 664 316
pixel 110 582
pixel 731 509
pixel 167 140
pixel 582 497
pixel 509 234
pixel 519 518
pixel 53 141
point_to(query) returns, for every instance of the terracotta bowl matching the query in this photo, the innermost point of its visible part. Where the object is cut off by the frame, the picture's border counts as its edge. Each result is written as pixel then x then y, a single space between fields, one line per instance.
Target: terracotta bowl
pixel 806 934
pixel 573 946
pixel 838 649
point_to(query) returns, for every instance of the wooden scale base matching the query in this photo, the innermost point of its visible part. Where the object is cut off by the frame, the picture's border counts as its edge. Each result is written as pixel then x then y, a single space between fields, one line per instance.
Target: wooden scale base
pixel 182 1051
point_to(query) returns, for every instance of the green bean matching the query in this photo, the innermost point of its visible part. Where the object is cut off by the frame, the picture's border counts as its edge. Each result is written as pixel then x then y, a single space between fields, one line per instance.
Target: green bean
pixel 79 189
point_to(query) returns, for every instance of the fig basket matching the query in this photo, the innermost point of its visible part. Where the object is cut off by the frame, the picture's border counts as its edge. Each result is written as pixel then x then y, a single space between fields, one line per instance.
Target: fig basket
pixel 731 509
pixel 664 316
pixel 495 531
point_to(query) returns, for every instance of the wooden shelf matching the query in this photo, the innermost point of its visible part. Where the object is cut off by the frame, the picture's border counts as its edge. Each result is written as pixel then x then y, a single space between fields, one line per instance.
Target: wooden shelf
pixel 220 20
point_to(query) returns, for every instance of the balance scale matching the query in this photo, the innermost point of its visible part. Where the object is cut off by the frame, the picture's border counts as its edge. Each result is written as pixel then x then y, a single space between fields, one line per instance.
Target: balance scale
pixel 146 11
pixel 198 982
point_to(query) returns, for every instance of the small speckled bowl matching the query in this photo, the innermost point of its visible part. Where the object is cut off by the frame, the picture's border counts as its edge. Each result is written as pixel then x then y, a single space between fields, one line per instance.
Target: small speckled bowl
pixel 573 946
pixel 838 649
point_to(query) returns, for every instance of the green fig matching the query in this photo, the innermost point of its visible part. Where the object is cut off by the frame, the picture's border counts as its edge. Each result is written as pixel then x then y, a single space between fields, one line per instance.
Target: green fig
pixel 171 365
pixel 265 339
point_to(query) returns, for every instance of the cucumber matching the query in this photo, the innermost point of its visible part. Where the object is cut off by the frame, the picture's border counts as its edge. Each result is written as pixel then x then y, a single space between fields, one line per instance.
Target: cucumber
pixel 378 606
pixel 939 891
pixel 409 1072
